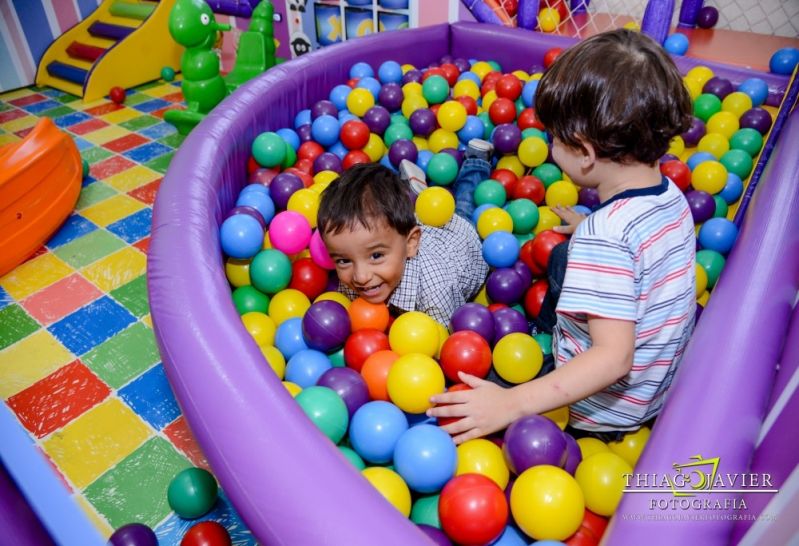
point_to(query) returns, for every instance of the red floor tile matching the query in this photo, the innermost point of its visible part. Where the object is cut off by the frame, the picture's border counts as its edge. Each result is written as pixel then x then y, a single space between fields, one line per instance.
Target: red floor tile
pixel 179 433
pixel 104 109
pixel 54 401
pixel 11 115
pixel 125 143
pixel 160 113
pixel 174 97
pixel 60 299
pixel 30 99
pixel 143 245
pixel 146 194
pixel 24 132
pixel 87 126
pixel 110 167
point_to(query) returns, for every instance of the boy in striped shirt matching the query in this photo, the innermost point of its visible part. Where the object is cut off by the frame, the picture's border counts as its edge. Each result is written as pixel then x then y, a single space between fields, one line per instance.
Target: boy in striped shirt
pixel 626 307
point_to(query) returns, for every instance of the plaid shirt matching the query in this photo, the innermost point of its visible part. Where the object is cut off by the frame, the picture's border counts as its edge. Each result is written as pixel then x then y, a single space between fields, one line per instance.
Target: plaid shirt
pixel 447 271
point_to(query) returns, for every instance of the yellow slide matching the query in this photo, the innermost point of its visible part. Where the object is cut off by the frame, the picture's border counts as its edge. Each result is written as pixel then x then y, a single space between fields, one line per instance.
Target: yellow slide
pixel 123 43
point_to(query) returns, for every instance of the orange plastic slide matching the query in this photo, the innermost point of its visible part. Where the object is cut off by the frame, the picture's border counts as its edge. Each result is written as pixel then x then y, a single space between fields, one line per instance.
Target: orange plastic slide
pixel 40 181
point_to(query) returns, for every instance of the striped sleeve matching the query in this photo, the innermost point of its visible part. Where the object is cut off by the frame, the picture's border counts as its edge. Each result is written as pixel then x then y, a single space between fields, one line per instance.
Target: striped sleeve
pixel 600 279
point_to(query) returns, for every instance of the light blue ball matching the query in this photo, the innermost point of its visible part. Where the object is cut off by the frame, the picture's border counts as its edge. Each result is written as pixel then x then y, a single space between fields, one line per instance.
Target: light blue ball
pixel 699 157
pixel 325 130
pixel 469 75
pixel 390 72
pixel 784 61
pixel 500 249
pixel 480 210
pixel 338 95
pixel 733 189
pixel 371 85
pixel 386 162
pixel 361 70
pixel 345 115
pixel 241 236
pixel 375 429
pixel 718 234
pixel 338 149
pixel 423 158
pixel 528 92
pixel 256 187
pixel 676 44
pixel 288 338
pixel 306 367
pixel 290 136
pixel 757 90
pixel 473 128
pixel 426 458
pixel 512 537
pixel 258 200
pixel 303 117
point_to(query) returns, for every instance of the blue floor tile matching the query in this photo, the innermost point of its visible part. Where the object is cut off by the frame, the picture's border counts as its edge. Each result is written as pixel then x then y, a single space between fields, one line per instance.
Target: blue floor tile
pixel 75 226
pixel 152 105
pixel 158 131
pixel 41 106
pixel 147 152
pixel 134 227
pixel 89 326
pixel 150 396
pixel 173 528
pixel 81 143
pixel 5 298
pixel 71 119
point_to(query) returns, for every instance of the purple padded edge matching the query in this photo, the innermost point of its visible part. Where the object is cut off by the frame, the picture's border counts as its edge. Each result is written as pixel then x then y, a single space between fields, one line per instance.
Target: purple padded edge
pixel 17 519
pixel 789 361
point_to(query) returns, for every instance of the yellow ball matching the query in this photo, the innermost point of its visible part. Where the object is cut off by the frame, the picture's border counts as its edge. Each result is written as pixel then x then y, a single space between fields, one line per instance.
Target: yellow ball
pixel 494 219
pixel 700 74
pixel 306 202
pixel 482 296
pixel 517 358
pixel 267 243
pixel 546 219
pixel 512 163
pixel 589 446
pixel 631 445
pixel 601 477
pixel 375 148
pixel 237 272
pixel 324 177
pixel 522 75
pixel 481 68
pixel 559 416
pixel 288 303
pixel 548 19
pixel 694 87
pixel 412 103
pixel 702 300
pixel 547 503
pixel 414 332
pixel 632 25
pixel 413 379
pixel 334 296
pixel 275 359
pixel 723 123
pixel 421 143
pixel 359 101
pixel 737 103
pixel 676 146
pixel 451 116
pixel 443 335
pixel 537 76
pixel 488 100
pixel 407 68
pixel 293 388
pixel 440 139
pixel 261 327
pixel 709 176
pixel 715 144
pixel 391 486
pixel 533 151
pixel 483 457
pixel 466 88
pixel 412 88
pixel 435 206
pixel 318 188
pixel 701 280
pixel 561 193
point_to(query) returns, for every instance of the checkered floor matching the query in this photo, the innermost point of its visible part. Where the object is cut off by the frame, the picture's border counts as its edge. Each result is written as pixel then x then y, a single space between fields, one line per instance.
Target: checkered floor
pixel 78 361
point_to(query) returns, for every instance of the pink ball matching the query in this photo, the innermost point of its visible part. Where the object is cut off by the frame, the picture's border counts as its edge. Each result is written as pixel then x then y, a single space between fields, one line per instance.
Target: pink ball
pixel 289 232
pixel 319 252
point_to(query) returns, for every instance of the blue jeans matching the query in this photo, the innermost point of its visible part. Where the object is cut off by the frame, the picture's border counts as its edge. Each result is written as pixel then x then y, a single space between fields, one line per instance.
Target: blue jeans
pixel 473 171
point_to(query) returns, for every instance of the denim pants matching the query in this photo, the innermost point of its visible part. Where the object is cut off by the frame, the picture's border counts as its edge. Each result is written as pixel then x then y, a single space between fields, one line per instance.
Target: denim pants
pixel 473 171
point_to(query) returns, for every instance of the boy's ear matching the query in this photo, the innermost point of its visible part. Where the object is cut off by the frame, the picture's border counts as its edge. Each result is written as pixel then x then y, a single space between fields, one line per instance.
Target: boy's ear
pixel 412 242
pixel 589 154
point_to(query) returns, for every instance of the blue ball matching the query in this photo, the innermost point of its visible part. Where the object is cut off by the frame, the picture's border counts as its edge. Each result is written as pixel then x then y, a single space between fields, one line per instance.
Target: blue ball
pixel 390 72
pixel 423 158
pixel 386 162
pixel 469 75
pixel 549 543
pixel 375 429
pixel 371 85
pixel 676 44
pixel 288 338
pixel 256 187
pixel 473 128
pixel 241 236
pixel 306 367
pixel 290 136
pixel 338 149
pixel 258 200
pixel 582 209
pixel 325 130
pixel 528 92
pixel 345 115
pixel 338 96
pixel 479 210
pixel 500 249
pixel 733 189
pixel 303 117
pixel 699 157
pixel 512 537
pixel 718 234
pixel 426 458
pixel 361 70
pixel 784 61
pixel 757 90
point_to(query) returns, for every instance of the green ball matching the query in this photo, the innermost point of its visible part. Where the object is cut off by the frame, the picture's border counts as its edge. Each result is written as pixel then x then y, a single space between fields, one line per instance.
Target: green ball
pixel 85 167
pixel 270 271
pixel 706 105
pixel 489 191
pixel 519 106
pixel 395 132
pixel 442 169
pixel 487 123
pixel 192 493
pixel 337 358
pixel 548 173
pixel 269 149
pixel 519 308
pixel 326 409
pixel 748 140
pixel 435 89
pixel 523 238
pixel 495 65
pixel 545 342
pixel 533 132
pixel 397 117
pixel 738 162
pixel 248 299
pixel 524 214
pixel 712 262
pixel 168 73
pixel 425 511
pixel 291 158
pixel 721 207
pixel 354 459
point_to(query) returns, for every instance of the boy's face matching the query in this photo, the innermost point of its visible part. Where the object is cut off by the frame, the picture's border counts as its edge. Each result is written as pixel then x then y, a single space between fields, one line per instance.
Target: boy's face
pixel 372 261
pixel 572 161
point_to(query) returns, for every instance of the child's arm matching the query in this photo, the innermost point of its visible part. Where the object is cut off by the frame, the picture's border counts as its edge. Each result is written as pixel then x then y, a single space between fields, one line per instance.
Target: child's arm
pixel 488 407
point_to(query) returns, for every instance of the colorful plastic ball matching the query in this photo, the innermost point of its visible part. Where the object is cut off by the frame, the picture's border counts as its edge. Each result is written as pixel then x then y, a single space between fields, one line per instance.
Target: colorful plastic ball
pixel 349 385
pixel 500 249
pixel 517 358
pixel 756 88
pixel 631 445
pixel 269 149
pixel 484 457
pixel 573 454
pixel 413 379
pixel 133 534
pixel 451 116
pixel 442 139
pixel 710 176
pixel 306 367
pixel 561 193
pixel 362 344
pixel 425 511
pixel 423 122
pixel 721 207
pixel 425 457
pixel 389 72
pixel 326 326
pixel 718 234
pixel 442 169
pixel 375 372
pixel 465 351
pixel 435 89
pixel 715 144
pixel 490 191
pixel 308 278
pixel 506 138
pixel 414 332
pixel 237 272
pixel 287 304
pixel 506 286
pixel 241 236
pixel 713 263
pixel 260 327
pixel 168 73
pixel 322 108
pixel 678 172
pixel 534 440
pixel 706 105
pixel 474 317
pixel 738 162
pixel 375 429
pixel 473 509
pixel 548 19
pixel 676 44
pixel 390 96
pixel 117 95
pixel 784 60
pixel 511 537
pixel 736 103
pixel 501 111
pixel 288 338
pixel 365 315
pixel 325 409
pixel 547 503
pixel 192 493
pixel 283 187
pixel 733 189
pixel 695 132
pixel 391 486
pixel 325 129
pixel 509 320
pixel 707 17
pixel 758 119
pixel 206 533
pixel 354 134
pixel 248 298
pixel 377 119
pixel 601 477
pixel 533 151
pixel 748 140
pixel 721 87
pixel 319 252
pixel 523 213
pixel 701 204
pixel 290 232
pixel 435 206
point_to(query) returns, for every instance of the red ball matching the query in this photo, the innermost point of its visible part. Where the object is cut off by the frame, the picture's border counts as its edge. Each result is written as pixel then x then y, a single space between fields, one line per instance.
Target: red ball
pixel 472 509
pixel 252 165
pixel 353 82
pixel 434 108
pixel 308 278
pixel 117 95
pixel 354 134
pixel 206 533
pixel 451 73
pixel 679 173
pixel 310 150
pixel 502 110
pixel 509 87
pixel 526 256
pixel 465 351
pixel 543 243
pixel 355 157
pixel 444 421
pixel 362 344
pixel 594 525
pixel 528 118
pixel 305 165
pixel 496 306
pixel 507 178
pixel 469 103
pixel 551 55
pixel 307 179
pixel 534 297
pixel 561 7
pixel 582 538
pixel 436 71
pixel 510 6
pixel 530 187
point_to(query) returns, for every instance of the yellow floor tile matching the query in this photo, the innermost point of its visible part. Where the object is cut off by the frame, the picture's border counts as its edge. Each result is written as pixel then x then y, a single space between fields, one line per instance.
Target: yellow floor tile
pixel 8 139
pixel 19 93
pixel 96 441
pixel 113 209
pixel 132 178
pixel 19 124
pixel 116 269
pixel 148 320
pixel 106 134
pixel 82 105
pixel 121 116
pixel 35 274
pixel 29 360
pixel 162 90
pixel 97 520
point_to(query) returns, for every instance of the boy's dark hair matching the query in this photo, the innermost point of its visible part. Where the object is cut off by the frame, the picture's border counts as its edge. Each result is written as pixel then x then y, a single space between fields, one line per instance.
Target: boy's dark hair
pixel 618 91
pixel 363 195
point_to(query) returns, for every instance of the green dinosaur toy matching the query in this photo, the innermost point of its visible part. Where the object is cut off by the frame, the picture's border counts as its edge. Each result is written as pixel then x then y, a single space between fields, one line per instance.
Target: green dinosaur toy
pixel 256 51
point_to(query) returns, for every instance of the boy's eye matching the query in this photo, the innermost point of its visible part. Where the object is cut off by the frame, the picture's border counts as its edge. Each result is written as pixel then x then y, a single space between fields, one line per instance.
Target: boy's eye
pixel 377 255
pixel 342 262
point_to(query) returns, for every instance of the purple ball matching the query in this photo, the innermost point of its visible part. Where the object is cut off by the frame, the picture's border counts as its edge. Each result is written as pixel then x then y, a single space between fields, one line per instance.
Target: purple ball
pixel 758 119
pixel 462 64
pixel 282 187
pixel 720 87
pixel 327 162
pixel 707 17
pixel 133 534
pixel 588 197
pixel 249 211
pixel 508 321
pixel 391 96
pixel 507 137
pixel 446 59
pixel 475 317
pixel 262 176
pixel 534 440
pixel 573 454
pixel 524 272
pixel 702 205
pixel 323 107
pixel 326 326
pixel 402 149
pixel 304 132
pixel 414 75
pixel 377 119
pixel 694 133
pixel 457 155
pixel 668 157
pixel 506 286
pixel 349 385
pixel 435 534
pixel 423 122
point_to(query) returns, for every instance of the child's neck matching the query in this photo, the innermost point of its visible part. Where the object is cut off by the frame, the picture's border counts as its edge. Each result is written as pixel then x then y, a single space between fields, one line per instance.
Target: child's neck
pixel 616 178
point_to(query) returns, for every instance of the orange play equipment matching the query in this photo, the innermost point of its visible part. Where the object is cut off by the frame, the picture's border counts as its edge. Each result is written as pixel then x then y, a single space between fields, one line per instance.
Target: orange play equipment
pixel 40 181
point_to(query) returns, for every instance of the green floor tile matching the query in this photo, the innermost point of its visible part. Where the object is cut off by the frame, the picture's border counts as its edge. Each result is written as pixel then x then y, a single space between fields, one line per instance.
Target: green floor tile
pixel 5 106
pixel 15 324
pixel 57 112
pixel 124 356
pixel 89 248
pixel 67 98
pixel 174 140
pixel 93 155
pixel 93 194
pixel 135 489
pixel 136 98
pixel 160 164
pixel 140 122
pixel 133 296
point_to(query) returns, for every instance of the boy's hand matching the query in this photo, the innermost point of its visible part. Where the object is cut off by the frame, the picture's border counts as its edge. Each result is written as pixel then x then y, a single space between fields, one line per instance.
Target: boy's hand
pixel 568 215
pixel 484 409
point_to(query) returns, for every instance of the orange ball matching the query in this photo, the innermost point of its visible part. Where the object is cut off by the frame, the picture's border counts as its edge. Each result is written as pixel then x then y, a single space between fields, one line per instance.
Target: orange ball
pixel 375 372
pixel 368 315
